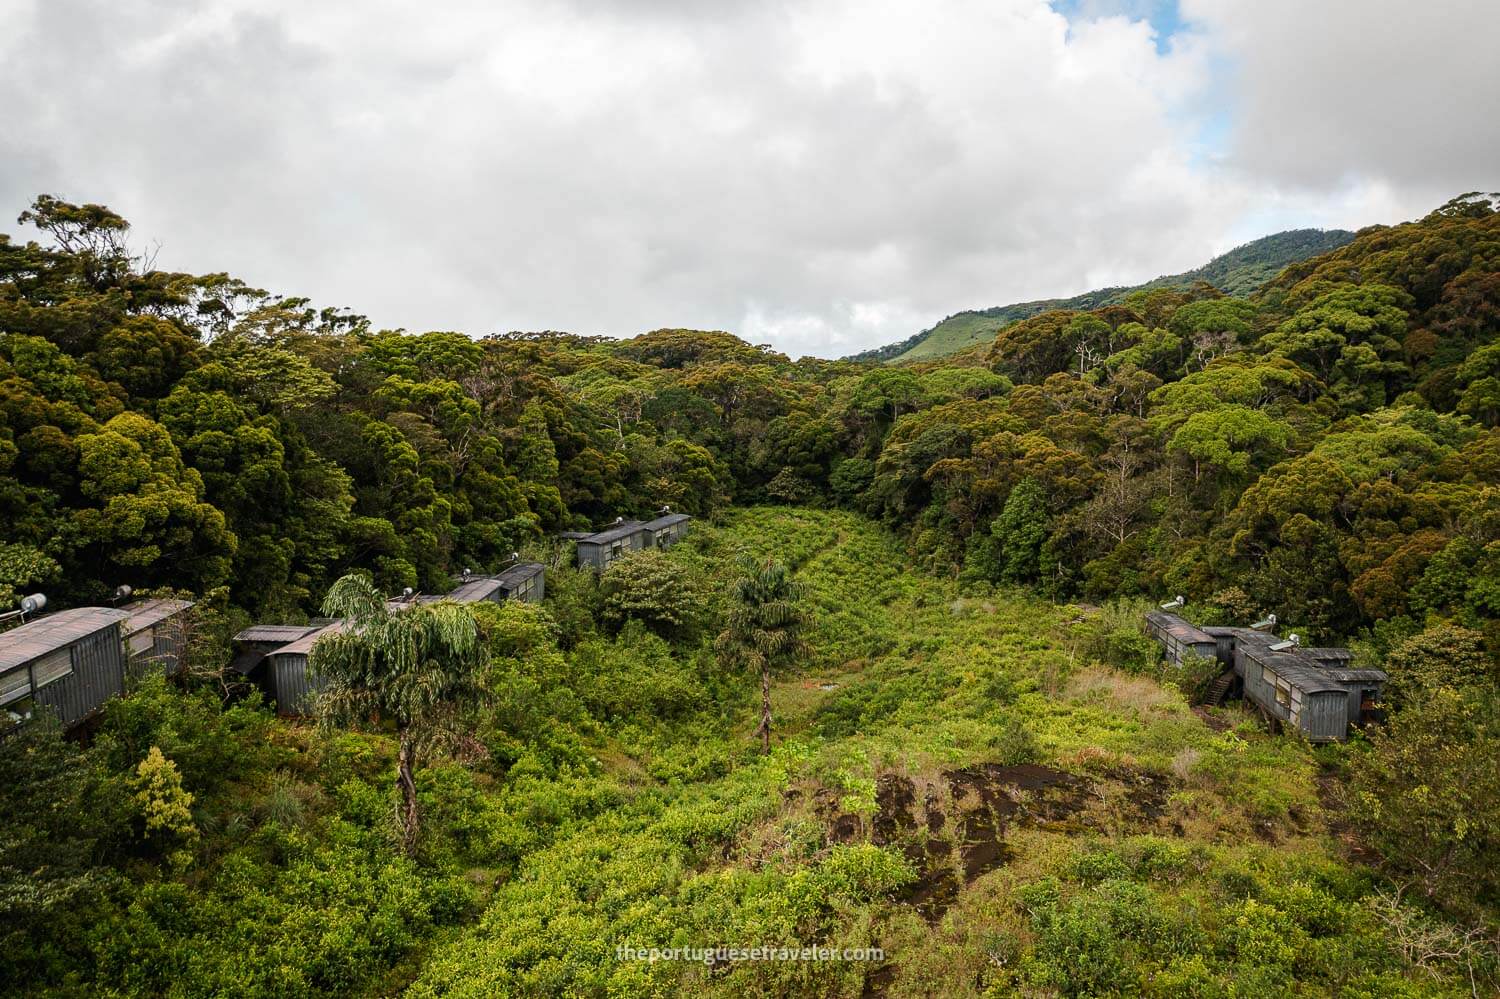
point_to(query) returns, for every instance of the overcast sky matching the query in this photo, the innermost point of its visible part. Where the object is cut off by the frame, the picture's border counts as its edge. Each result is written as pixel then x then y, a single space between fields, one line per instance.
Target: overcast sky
pixel 822 175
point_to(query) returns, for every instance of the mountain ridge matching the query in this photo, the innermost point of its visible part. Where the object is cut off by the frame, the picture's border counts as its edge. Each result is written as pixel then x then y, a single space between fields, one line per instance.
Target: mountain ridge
pixel 1237 272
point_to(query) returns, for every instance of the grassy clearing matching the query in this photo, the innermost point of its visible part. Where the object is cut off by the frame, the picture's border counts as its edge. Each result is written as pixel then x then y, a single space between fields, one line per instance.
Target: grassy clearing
pixel 954 782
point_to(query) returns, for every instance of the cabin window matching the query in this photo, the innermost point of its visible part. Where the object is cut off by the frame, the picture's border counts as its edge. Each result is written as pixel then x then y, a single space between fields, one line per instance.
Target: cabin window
pixel 1283 692
pixel 141 641
pixel 617 549
pixel 15 685
pixel 53 666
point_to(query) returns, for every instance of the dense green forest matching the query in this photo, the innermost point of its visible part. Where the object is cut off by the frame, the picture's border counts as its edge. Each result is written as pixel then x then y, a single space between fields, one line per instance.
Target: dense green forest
pixel 978 764
pixel 1239 272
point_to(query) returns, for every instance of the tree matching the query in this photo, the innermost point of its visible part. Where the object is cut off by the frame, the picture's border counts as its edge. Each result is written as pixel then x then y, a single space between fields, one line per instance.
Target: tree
pixel 655 589
pixel 1427 796
pixel 1019 532
pixel 764 631
pixel 417 667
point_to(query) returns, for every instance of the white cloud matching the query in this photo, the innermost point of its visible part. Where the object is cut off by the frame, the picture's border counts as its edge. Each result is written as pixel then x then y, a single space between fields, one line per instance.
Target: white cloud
pixel 826 176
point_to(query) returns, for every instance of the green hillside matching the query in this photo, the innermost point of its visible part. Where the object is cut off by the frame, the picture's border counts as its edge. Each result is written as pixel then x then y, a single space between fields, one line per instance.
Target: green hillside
pixel 1238 272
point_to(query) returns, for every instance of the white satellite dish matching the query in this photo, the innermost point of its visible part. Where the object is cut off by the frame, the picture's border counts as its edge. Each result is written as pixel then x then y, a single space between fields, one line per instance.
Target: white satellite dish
pixel 1292 642
pixel 1265 624
pixel 1173 604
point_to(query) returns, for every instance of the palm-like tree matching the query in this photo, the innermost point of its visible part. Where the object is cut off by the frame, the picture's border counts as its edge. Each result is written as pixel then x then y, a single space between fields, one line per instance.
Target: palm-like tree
pixel 419 667
pixel 764 631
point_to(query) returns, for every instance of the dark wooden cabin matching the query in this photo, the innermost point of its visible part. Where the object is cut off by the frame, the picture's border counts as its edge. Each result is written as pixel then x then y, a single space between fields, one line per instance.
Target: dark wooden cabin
pixel 600 551
pixel 155 634
pixel 71 662
pixel 524 581
pixel 667 530
pixel 1179 638
pixel 1313 690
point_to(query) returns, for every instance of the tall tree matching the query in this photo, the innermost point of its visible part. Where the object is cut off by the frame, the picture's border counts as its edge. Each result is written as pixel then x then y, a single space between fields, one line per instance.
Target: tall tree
pixel 764 632
pixel 418 667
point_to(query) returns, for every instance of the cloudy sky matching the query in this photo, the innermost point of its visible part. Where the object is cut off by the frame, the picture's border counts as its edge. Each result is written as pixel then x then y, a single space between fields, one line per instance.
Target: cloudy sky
pixel 822 175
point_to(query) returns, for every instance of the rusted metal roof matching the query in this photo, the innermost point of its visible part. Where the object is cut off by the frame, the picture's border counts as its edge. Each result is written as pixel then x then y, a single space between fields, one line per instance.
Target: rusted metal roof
pixel 35 639
pixel 667 521
pixel 145 613
pixel 279 633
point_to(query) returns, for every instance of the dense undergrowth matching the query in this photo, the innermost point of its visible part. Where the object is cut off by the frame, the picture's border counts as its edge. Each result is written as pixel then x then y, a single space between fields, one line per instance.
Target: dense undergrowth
pixel 957 780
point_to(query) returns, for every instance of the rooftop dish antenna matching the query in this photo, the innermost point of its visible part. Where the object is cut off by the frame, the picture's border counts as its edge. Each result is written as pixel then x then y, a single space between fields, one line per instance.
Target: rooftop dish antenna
pixel 122 592
pixel 1293 640
pixel 1173 604
pixel 1265 624
pixel 408 593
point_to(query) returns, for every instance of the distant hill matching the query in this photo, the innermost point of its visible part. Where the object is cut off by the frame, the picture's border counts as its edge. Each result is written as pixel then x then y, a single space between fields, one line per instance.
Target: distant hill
pixel 1238 272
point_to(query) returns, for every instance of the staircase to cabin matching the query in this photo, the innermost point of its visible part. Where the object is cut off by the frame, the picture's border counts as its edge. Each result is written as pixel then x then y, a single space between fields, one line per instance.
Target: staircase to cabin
pixel 1217 690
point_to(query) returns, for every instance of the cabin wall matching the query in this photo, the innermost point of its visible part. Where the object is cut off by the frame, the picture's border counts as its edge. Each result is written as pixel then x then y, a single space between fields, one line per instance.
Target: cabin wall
pixel 531 589
pixel 98 674
pixel 157 647
pixel 292 684
pixel 1260 686
pixel 1324 716
pixel 1178 650
pixel 601 556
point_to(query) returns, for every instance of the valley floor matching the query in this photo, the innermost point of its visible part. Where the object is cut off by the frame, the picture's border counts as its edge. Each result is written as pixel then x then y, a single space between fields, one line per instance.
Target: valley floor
pixel 956 786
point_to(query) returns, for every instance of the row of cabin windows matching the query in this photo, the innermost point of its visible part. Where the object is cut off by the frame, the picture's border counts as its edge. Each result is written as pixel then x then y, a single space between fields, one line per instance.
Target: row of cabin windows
pixel 525 588
pixel 50 668
pixel 1256 673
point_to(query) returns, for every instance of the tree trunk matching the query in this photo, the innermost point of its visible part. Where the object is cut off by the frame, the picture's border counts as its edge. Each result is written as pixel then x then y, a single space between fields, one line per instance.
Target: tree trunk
pixel 764 731
pixel 408 786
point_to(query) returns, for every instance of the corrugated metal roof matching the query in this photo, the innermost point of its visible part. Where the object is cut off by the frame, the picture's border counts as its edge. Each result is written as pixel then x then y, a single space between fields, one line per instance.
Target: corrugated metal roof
pixel 476 590
pixel 519 573
pixel 281 633
pixel 1242 634
pixel 35 639
pixel 604 537
pixel 1294 668
pixel 303 645
pixel 667 521
pixel 1178 628
pixel 145 613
